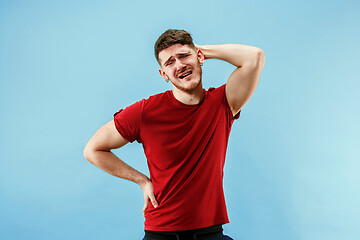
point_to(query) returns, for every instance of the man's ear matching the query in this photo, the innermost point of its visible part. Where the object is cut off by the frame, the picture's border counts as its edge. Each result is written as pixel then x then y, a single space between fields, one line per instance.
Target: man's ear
pixel 163 74
pixel 201 56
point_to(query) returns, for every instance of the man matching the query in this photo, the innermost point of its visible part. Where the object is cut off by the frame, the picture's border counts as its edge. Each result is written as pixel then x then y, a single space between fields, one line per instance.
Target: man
pixel 184 133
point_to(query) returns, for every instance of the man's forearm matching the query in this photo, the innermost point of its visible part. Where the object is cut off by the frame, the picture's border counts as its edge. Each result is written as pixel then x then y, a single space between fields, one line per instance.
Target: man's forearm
pixel 113 165
pixel 236 54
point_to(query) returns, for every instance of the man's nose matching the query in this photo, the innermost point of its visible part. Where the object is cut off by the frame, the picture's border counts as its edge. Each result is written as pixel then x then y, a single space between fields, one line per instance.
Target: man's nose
pixel 180 66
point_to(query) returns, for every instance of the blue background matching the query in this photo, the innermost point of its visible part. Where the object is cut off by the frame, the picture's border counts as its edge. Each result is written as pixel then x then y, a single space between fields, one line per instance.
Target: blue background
pixel 292 169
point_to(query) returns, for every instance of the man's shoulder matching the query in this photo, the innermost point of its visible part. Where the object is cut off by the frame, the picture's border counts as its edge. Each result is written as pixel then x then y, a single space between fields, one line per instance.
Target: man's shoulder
pixel 216 92
pixel 150 103
pixel 217 88
pixel 156 101
pixel 156 97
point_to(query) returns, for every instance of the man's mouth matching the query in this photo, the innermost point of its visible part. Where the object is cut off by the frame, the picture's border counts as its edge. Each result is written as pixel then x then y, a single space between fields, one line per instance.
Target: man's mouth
pixel 185 75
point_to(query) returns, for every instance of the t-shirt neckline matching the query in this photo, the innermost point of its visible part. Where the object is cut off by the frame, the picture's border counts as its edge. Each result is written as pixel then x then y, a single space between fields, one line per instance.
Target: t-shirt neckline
pixel 181 104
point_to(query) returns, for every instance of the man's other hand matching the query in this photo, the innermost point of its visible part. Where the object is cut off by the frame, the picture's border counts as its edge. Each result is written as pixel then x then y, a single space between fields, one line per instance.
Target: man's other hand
pixel 148 191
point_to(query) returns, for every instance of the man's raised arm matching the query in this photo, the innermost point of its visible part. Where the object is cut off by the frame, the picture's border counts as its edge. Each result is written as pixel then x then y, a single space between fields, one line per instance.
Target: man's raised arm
pixel 98 152
pixel 243 81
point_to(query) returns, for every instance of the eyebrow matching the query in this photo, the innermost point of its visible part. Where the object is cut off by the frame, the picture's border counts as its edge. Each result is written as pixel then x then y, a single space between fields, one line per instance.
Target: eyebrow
pixel 178 54
pixel 170 58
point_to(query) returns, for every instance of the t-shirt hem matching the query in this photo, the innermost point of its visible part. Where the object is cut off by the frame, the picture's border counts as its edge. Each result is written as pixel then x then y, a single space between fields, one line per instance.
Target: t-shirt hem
pixel 183 228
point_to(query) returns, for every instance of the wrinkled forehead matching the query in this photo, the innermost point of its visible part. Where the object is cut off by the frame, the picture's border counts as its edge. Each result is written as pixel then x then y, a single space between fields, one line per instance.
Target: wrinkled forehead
pixel 172 51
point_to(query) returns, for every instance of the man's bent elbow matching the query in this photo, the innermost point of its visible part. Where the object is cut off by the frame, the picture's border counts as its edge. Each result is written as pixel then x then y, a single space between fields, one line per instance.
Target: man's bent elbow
pixel 260 61
pixel 257 60
pixel 88 153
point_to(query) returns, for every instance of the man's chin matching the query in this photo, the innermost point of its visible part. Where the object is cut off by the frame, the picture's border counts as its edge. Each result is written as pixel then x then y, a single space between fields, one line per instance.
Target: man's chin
pixel 189 89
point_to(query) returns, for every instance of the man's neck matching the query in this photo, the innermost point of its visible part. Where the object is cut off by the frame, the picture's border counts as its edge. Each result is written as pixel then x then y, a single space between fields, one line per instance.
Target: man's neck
pixel 189 98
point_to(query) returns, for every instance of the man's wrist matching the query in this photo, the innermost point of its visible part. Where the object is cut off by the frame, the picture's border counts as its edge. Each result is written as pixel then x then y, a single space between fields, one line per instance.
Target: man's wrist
pixel 142 181
pixel 206 50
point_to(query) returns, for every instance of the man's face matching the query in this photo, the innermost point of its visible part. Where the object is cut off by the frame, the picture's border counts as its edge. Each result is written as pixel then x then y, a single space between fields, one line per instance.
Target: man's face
pixel 182 66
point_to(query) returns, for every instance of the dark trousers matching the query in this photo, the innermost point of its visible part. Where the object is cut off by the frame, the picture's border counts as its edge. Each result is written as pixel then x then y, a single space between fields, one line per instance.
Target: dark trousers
pixel 209 233
pixel 220 237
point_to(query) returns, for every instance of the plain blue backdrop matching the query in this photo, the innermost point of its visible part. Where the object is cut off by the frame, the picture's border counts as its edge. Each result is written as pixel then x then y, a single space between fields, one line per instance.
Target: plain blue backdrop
pixel 292 168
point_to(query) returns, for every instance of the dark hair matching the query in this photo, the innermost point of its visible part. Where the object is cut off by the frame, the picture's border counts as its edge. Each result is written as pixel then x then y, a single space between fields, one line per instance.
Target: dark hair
pixel 171 37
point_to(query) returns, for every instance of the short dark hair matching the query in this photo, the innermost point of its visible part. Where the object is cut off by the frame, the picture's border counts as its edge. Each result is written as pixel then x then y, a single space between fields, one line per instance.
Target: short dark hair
pixel 171 37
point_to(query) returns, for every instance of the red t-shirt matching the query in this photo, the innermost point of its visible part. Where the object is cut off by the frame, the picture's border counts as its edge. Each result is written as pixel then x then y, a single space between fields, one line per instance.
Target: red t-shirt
pixel 185 147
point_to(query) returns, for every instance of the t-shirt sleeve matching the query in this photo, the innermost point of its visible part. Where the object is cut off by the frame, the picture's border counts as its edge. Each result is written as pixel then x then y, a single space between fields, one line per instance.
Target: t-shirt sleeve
pixel 127 121
pixel 226 103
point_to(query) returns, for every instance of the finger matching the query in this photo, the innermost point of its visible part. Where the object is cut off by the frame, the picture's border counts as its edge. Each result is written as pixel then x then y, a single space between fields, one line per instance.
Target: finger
pixel 153 200
pixel 146 204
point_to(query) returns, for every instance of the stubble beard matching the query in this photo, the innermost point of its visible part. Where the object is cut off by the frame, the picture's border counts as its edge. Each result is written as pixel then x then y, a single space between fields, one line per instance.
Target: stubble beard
pixel 187 89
